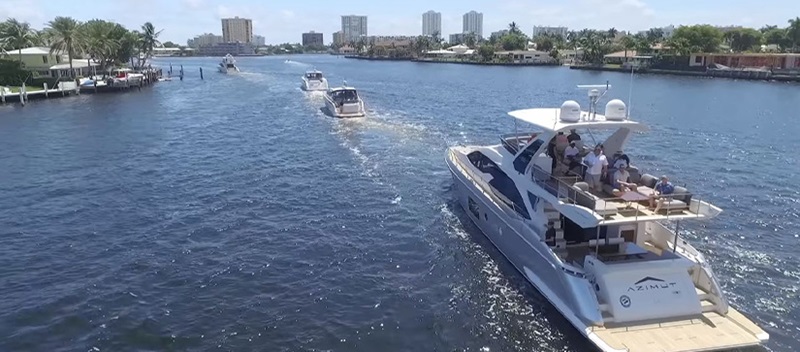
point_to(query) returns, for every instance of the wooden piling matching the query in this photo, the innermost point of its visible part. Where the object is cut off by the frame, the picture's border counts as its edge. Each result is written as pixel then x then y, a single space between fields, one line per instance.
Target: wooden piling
pixel 46 93
pixel 22 94
pixel 201 73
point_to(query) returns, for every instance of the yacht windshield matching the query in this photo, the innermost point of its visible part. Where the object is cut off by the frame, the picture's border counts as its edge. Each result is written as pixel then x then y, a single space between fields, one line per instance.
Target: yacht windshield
pixel 347 96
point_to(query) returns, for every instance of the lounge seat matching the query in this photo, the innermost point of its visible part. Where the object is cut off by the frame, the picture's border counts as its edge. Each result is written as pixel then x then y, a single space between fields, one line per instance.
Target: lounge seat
pixel 586 199
pixel 678 200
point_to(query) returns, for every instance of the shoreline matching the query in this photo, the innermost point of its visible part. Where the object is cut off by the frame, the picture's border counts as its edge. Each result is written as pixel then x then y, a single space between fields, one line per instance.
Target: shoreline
pixel 734 74
pixel 477 63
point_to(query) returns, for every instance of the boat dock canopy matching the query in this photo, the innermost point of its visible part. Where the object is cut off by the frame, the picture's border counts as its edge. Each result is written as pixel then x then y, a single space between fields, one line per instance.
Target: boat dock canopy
pixel 549 120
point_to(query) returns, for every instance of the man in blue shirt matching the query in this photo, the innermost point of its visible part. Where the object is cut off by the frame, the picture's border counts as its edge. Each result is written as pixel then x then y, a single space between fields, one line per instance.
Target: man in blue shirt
pixel 662 189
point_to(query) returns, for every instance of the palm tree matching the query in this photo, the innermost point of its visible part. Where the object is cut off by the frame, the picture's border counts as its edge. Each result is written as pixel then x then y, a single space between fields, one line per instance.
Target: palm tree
pixel 148 39
pixel 512 28
pixel 629 43
pixel 793 33
pixel 64 34
pixel 470 39
pixel 437 40
pixel 18 35
pixel 612 33
pixel 99 42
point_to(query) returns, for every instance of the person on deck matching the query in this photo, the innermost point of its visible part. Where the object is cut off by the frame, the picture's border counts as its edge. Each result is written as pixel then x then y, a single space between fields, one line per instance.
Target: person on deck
pixel 573 136
pixel 621 181
pixel 598 164
pixel 660 192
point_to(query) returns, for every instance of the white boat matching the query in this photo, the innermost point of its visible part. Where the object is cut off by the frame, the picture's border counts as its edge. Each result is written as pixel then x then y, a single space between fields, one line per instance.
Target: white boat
pixel 619 271
pixel 313 80
pixel 228 65
pixel 344 101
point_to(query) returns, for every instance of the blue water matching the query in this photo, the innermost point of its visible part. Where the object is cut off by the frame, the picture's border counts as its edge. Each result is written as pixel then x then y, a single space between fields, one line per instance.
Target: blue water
pixel 231 214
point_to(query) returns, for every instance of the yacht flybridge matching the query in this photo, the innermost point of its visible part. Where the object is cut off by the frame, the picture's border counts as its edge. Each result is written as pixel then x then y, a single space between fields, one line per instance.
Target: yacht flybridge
pixel 615 267
pixel 344 102
pixel 228 65
pixel 313 80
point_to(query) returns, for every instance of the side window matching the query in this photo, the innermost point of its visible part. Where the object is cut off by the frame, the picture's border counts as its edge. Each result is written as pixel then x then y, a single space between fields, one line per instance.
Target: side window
pixel 500 182
pixel 474 209
pixel 481 162
pixel 534 201
pixel 525 157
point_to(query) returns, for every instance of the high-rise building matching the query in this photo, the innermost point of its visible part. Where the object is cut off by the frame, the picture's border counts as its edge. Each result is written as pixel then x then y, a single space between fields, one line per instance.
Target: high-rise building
pixel 353 27
pixel 338 38
pixel 473 23
pixel 553 31
pixel 237 30
pixel 259 40
pixel 432 23
pixel 313 38
pixel 204 40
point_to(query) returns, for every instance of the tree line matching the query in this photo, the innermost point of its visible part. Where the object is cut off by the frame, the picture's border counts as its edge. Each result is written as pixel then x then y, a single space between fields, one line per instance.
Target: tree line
pixel 595 44
pixel 108 43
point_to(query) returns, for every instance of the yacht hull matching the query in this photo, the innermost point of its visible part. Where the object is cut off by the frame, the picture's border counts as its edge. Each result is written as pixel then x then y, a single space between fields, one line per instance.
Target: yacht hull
pixel 228 70
pixel 523 250
pixel 346 110
pixel 313 85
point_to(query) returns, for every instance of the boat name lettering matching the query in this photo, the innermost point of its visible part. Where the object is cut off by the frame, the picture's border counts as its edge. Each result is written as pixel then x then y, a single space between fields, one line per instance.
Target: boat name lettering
pixel 650 283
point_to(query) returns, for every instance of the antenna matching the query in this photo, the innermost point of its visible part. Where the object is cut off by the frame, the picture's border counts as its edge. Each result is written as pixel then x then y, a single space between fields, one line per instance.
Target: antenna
pixel 630 97
pixel 595 95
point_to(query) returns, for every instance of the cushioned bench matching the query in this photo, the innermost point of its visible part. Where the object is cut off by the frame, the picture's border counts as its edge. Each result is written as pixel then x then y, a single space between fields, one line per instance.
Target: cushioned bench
pixel 586 199
pixel 678 200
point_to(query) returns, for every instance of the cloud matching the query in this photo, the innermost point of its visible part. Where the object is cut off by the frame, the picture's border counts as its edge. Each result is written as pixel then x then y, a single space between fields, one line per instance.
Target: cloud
pixel 24 10
pixel 193 4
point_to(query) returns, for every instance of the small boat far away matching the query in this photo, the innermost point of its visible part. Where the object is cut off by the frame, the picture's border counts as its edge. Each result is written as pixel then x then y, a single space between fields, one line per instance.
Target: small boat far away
pixel 228 65
pixel 313 80
pixel 344 102
pixel 608 255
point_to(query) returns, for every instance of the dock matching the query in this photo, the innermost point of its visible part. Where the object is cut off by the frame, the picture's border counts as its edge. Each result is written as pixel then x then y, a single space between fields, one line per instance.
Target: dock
pixel 63 89
pixel 127 80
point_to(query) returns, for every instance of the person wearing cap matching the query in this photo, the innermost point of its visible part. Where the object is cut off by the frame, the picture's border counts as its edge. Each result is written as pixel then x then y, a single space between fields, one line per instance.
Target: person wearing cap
pixel 620 181
pixel 662 188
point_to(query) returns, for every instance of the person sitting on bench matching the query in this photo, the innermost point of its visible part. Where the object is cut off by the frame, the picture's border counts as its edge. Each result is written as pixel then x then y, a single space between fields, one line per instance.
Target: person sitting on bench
pixel 662 189
pixel 621 181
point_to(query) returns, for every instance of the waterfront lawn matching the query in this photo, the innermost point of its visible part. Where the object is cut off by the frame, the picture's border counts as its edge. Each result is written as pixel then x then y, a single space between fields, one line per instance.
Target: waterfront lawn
pixel 15 89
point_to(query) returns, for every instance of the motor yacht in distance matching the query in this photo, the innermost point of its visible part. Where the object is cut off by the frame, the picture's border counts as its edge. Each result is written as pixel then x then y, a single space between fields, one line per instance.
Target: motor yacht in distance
pixel 313 80
pixel 620 271
pixel 344 102
pixel 228 65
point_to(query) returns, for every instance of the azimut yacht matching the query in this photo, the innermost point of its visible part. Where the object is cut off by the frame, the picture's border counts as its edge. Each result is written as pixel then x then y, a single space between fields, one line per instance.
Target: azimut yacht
pixel 619 270
pixel 228 65
pixel 313 80
pixel 344 102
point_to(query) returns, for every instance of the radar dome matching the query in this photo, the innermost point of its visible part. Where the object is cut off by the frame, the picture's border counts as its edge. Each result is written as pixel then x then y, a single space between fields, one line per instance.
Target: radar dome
pixel 616 110
pixel 570 111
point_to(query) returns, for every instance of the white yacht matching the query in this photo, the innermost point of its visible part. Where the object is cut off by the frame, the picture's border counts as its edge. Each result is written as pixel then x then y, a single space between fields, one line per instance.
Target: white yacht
pixel 228 65
pixel 313 80
pixel 344 102
pixel 617 269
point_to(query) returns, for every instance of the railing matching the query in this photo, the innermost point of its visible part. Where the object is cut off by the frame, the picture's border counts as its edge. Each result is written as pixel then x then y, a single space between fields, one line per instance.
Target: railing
pixel 562 188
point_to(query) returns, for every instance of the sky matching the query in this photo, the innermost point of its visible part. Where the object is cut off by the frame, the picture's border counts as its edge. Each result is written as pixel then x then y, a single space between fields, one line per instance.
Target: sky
pixel 285 21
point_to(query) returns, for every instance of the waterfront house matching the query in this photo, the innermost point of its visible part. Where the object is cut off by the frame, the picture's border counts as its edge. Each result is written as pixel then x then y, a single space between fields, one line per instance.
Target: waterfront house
pixel 42 64
pixel 524 57
pixel 171 51
pixel 774 61
pixel 459 49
